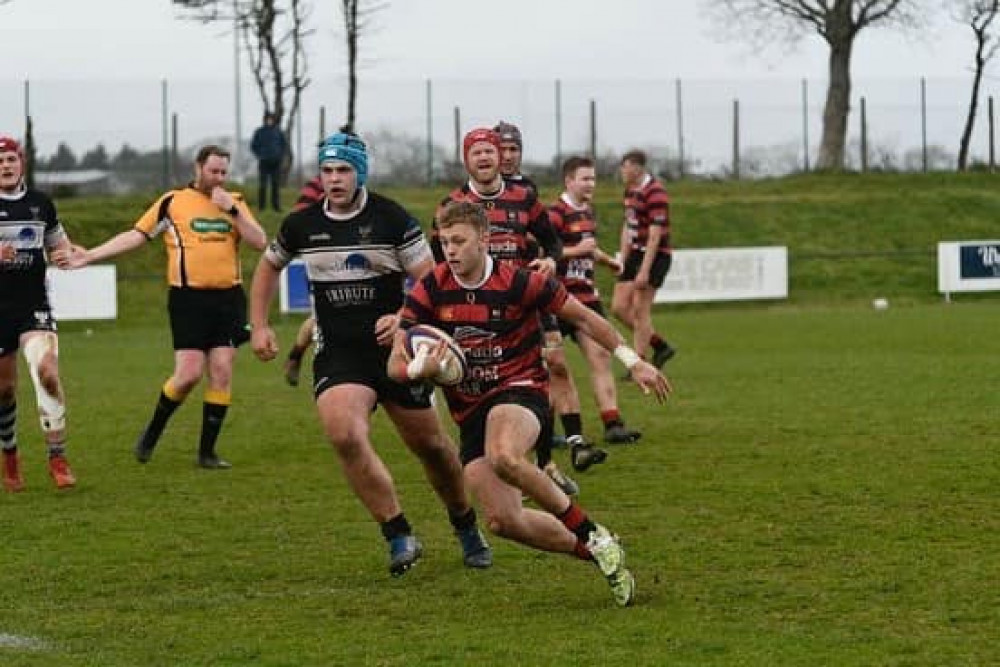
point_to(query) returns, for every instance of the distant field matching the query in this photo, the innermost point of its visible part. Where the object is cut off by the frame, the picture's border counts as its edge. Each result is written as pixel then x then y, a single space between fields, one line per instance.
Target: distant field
pixel 821 490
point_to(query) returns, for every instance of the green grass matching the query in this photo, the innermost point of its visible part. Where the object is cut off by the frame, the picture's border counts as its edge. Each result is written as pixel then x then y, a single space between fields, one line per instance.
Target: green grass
pixel 820 490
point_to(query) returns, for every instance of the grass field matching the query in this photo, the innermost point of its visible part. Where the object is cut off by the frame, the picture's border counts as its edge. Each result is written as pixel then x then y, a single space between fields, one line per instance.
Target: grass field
pixel 822 490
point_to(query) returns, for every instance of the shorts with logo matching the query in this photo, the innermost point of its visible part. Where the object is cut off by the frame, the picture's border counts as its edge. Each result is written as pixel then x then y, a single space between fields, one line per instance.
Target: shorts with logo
pixel 15 322
pixel 366 366
pixel 473 430
pixel 568 329
pixel 201 319
pixel 657 272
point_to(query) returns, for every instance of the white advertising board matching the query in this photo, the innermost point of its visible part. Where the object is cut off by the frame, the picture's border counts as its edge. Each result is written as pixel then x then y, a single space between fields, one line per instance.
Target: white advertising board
pixel 90 293
pixel 968 266
pixel 726 274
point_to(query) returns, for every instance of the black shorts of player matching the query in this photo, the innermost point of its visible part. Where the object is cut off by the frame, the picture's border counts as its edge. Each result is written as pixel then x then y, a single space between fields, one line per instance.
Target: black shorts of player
pixel 14 323
pixel 568 329
pixel 473 429
pixel 336 366
pixel 201 319
pixel 657 272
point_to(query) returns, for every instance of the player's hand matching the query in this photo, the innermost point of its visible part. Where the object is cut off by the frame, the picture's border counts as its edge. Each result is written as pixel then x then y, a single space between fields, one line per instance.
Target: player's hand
pixel 428 361
pixel 650 379
pixel 222 199
pixel 264 343
pixel 615 266
pixel 544 265
pixel 74 258
pixel 385 328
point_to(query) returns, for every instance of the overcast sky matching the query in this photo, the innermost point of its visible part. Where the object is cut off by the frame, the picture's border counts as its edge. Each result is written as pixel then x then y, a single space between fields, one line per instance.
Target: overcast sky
pixel 419 39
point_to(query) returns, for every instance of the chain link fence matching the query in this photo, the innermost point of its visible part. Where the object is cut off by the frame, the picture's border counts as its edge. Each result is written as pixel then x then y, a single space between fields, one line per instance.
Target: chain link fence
pixel 691 128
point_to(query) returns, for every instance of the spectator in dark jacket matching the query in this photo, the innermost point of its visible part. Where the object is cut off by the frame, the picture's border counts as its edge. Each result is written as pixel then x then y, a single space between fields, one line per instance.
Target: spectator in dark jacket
pixel 269 146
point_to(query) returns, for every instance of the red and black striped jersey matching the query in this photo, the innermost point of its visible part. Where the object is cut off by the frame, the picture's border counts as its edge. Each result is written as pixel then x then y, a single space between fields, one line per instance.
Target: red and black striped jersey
pixel 647 205
pixel 496 324
pixel 513 212
pixel 575 224
pixel 310 193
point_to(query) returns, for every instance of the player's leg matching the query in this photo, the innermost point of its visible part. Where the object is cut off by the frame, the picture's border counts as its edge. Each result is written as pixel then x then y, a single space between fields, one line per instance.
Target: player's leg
pixel 662 350
pixel 421 430
pixel 41 352
pixel 498 478
pixel 344 411
pixel 303 339
pixel 215 405
pixel 12 479
pixel 605 392
pixel 554 354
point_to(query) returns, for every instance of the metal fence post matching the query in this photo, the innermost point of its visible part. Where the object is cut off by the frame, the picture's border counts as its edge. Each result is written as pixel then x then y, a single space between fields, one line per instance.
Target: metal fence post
pixel 923 123
pixel 430 132
pixel 864 137
pixel 173 147
pixel 558 123
pixel 164 123
pixel 993 162
pixel 457 120
pixel 680 127
pixel 593 129
pixel 805 125
pixel 736 139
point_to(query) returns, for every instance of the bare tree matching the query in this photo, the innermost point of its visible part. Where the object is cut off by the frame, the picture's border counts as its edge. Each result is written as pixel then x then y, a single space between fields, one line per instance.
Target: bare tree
pixel 272 34
pixel 838 22
pixel 979 15
pixel 357 22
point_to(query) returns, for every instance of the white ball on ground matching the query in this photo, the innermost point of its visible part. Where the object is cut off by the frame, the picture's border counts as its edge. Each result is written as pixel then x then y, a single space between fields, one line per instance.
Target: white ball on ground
pixel 880 303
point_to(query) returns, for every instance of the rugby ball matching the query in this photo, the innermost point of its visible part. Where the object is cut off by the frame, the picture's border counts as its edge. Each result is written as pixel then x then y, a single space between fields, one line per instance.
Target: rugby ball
pixel 425 336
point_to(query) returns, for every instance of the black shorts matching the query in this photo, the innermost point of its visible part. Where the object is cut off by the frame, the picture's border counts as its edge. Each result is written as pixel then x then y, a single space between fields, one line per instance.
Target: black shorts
pixel 657 272
pixel 568 329
pixel 14 323
pixel 201 319
pixel 333 366
pixel 473 429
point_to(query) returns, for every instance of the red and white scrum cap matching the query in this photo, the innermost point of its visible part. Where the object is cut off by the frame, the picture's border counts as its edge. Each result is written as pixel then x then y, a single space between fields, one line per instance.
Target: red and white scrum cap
pixel 10 145
pixel 480 134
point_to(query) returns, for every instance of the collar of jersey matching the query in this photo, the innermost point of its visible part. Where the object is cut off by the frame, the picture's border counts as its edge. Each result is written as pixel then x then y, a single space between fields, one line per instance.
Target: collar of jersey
pixel 341 217
pixel 17 194
pixel 486 275
pixel 495 195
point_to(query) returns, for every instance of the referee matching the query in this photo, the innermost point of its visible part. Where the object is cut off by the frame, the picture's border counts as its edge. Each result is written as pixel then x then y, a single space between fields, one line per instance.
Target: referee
pixel 202 225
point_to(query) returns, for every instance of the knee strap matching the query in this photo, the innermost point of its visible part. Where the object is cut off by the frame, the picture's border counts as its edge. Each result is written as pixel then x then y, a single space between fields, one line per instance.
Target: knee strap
pixel 51 409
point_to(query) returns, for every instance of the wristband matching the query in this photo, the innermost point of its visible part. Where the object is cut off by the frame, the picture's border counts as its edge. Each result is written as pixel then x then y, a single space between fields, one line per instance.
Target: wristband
pixel 627 356
pixel 233 211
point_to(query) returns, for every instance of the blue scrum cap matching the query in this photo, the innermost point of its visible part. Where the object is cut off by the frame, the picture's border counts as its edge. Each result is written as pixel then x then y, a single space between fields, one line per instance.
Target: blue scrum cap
pixel 346 148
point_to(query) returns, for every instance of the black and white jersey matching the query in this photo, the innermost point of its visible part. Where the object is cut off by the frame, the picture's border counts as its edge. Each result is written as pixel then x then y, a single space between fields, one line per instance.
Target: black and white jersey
pixel 28 226
pixel 356 264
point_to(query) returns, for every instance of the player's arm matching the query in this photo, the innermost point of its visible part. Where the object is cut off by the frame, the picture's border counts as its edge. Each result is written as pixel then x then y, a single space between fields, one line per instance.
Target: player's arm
pixel 248 227
pixel 262 291
pixel 585 248
pixel 590 323
pixel 119 244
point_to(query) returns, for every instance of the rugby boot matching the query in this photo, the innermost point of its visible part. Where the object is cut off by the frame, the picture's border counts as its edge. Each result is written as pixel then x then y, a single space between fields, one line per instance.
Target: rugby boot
pixel 213 462
pixel 609 556
pixel 60 472
pixel 583 454
pixel 663 355
pixel 619 434
pixel 568 486
pixel 476 553
pixel 293 367
pixel 12 479
pixel 404 551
